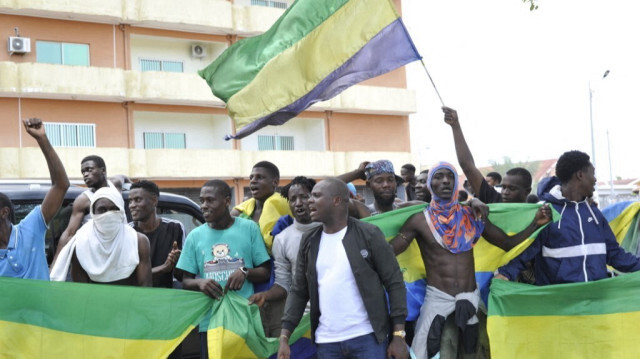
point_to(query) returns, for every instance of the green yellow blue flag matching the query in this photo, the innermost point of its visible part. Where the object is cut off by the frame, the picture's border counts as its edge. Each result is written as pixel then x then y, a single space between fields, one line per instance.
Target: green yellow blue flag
pixel 41 319
pixel 578 320
pixel 623 220
pixel 235 332
pixel 314 51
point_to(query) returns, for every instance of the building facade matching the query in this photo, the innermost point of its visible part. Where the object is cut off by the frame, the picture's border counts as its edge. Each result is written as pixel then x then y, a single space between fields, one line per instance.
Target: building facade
pixel 119 79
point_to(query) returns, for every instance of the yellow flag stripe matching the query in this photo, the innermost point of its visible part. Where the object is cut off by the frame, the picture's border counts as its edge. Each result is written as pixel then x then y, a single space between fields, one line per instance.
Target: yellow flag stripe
pixel 31 341
pixel 562 337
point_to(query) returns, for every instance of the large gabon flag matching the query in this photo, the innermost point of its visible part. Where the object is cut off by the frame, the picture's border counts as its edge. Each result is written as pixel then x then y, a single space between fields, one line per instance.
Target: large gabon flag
pixel 577 320
pixel 317 49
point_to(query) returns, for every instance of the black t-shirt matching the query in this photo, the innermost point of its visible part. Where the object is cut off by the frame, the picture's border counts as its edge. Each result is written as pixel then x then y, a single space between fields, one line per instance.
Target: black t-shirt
pixel 161 241
pixel 488 194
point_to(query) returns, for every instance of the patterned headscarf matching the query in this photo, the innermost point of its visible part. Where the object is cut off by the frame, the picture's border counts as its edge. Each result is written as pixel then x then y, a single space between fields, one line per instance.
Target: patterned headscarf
pixel 379 167
pixel 453 225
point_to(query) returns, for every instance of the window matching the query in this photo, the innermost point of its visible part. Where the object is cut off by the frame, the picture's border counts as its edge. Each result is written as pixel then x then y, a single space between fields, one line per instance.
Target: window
pixel 270 3
pixel 164 140
pixel 62 53
pixel 161 65
pixel 71 134
pixel 280 143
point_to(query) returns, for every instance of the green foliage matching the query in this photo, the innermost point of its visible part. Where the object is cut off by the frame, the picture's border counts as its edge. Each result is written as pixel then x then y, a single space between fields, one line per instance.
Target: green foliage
pixel 508 164
pixel 532 4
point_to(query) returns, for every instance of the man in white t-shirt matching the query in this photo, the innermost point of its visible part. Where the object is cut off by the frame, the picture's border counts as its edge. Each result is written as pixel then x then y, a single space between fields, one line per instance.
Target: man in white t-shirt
pixel 343 269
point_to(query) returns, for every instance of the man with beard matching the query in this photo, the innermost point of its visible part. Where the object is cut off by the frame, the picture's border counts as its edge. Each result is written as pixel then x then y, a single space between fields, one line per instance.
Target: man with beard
pixel 165 235
pixel 383 182
pixel 94 174
pixel 344 269
pixel 516 184
pixel 287 243
pixel 106 249
pixel 225 253
pixel 446 232
pixel 22 253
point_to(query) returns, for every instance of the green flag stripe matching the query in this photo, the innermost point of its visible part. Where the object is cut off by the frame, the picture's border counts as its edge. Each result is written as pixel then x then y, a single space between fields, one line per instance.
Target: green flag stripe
pixel 102 310
pixel 391 222
pixel 241 62
pixel 591 298
pixel 511 217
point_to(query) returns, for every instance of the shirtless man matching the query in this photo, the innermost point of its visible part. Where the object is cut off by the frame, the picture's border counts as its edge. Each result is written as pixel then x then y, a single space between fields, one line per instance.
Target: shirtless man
pixel 447 252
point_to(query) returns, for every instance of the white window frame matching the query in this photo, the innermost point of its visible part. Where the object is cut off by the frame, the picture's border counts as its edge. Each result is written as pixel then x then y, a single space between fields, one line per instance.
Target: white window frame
pixel 62 133
pixel 277 142
pixel 62 43
pixel 162 61
pixel 164 140
pixel 270 3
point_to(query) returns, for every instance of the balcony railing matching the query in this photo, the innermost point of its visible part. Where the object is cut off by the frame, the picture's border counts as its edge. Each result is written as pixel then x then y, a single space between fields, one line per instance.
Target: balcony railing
pixel 270 3
pixel 28 162
pixel 116 85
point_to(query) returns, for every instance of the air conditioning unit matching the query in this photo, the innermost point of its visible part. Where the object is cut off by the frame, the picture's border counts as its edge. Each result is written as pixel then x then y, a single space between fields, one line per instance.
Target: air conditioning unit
pixel 19 45
pixel 198 50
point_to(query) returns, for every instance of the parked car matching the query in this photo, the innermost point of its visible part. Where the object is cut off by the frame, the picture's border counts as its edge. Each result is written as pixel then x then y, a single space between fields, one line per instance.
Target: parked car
pixel 25 195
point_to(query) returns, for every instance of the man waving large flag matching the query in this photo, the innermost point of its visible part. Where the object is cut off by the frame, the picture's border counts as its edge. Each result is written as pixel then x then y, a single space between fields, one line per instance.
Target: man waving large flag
pixel 316 50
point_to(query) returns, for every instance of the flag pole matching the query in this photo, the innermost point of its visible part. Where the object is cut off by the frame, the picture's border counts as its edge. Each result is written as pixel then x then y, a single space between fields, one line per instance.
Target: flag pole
pixel 432 83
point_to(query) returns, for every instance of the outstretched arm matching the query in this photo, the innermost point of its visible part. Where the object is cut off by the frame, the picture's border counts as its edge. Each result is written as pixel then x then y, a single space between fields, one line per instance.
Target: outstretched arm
pixel 498 238
pixel 80 209
pixel 59 180
pixel 465 158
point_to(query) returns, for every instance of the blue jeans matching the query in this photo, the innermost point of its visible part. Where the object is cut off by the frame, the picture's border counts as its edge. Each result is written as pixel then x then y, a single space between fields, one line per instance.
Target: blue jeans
pixel 362 347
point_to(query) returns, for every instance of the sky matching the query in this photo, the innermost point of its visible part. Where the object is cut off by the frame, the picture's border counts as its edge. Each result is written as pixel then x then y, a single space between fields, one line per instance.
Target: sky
pixel 519 80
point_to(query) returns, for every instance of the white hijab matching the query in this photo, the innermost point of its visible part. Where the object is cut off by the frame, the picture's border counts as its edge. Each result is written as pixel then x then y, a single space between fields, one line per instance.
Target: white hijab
pixel 106 246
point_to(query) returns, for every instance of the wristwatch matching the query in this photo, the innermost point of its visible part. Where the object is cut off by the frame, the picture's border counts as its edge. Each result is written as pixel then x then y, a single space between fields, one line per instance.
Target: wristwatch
pixel 244 271
pixel 400 333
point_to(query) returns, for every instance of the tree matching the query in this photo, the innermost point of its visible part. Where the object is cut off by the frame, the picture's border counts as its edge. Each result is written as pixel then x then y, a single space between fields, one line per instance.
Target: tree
pixel 532 4
pixel 508 164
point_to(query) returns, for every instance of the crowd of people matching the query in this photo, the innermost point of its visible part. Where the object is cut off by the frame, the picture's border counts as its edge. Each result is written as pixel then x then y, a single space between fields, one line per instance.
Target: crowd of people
pixel 303 249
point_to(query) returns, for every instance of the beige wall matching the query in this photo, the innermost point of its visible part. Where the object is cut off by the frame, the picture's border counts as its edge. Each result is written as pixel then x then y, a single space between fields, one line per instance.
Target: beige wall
pixel 9 122
pixel 353 132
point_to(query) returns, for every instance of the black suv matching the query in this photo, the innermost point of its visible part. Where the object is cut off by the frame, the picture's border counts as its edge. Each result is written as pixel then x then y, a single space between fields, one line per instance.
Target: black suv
pixel 26 195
